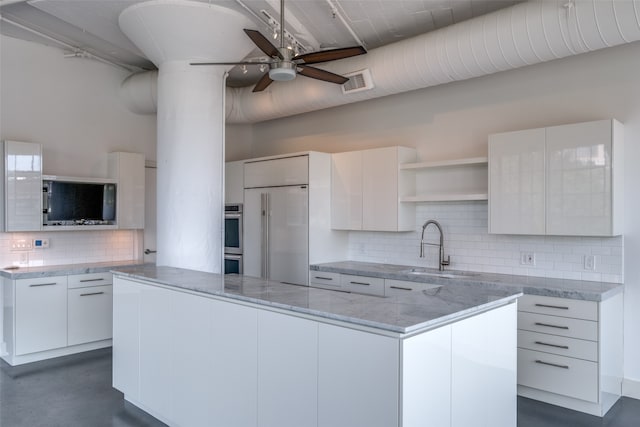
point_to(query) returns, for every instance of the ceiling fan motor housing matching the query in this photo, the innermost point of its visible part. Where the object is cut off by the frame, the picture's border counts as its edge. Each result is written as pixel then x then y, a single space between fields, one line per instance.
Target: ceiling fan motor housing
pixel 282 71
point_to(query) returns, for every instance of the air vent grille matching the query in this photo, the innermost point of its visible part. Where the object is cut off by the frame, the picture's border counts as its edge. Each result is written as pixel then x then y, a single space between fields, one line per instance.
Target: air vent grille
pixel 358 81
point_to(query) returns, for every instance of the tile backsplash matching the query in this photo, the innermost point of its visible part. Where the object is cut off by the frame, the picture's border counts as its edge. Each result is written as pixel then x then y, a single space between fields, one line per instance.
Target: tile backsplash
pixel 71 247
pixel 472 248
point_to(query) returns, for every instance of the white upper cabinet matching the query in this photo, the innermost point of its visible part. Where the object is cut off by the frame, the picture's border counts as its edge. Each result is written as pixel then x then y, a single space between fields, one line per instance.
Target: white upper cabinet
pixel 234 182
pixel 516 182
pixel 128 170
pixel 22 186
pixel 562 180
pixel 366 189
pixel 346 191
pixel 584 179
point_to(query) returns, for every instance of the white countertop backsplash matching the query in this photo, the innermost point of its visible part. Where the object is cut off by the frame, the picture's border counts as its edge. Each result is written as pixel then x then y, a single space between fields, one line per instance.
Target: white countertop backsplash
pixel 472 248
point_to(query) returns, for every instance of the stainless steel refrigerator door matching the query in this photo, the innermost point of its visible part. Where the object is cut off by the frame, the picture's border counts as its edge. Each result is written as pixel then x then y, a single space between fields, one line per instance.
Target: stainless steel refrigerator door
pixel 276 237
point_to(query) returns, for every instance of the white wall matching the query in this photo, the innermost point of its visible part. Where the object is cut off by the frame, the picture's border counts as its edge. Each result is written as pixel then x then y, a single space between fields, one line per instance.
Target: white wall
pixel 70 106
pixel 453 121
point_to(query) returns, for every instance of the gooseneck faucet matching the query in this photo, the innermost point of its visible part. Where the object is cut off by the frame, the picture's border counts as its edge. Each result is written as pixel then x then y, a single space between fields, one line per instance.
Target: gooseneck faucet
pixel 441 261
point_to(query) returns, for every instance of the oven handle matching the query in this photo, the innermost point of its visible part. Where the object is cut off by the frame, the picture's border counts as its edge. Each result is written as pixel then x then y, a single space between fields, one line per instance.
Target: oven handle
pixel 233 215
pixel 234 257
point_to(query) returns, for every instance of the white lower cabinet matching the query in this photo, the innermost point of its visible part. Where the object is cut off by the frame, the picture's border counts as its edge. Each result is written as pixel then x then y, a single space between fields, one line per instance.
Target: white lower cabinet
pixel 357 378
pixel 126 337
pixel 40 314
pixel 570 352
pixel 287 371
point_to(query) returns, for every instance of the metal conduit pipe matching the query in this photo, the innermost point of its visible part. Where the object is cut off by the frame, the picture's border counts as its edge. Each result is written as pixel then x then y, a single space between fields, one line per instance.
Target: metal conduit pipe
pixel 524 34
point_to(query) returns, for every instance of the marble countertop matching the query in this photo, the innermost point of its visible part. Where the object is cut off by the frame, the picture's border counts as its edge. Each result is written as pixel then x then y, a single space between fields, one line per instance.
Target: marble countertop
pixel 416 313
pixel 64 269
pixel 562 288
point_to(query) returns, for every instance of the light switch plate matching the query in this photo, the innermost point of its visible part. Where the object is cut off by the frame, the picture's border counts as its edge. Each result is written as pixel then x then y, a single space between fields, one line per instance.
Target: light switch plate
pixel 528 258
pixel 21 245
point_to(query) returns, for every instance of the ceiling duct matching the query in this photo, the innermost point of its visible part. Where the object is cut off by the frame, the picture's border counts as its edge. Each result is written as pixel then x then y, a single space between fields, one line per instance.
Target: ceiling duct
pixel 358 81
pixel 525 34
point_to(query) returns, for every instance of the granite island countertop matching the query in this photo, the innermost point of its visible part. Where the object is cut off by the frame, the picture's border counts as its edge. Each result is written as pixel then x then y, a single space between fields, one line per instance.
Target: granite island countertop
pixel 399 314
pixel 562 288
pixel 64 269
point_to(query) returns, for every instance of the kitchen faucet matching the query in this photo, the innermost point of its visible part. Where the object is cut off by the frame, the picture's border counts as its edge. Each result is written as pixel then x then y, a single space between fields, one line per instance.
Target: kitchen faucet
pixel 441 261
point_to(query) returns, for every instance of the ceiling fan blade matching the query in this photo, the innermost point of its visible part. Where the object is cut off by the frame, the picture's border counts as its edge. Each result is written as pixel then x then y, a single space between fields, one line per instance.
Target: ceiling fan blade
pixel 331 55
pixel 316 73
pixel 263 43
pixel 229 63
pixel 263 83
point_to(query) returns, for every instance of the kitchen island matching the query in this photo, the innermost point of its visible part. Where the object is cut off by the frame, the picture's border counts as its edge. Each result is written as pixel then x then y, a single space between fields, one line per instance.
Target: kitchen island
pixel 195 348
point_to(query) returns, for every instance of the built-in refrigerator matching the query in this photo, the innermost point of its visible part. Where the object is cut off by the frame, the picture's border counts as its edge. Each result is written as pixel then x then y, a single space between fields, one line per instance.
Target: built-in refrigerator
pixel 276 220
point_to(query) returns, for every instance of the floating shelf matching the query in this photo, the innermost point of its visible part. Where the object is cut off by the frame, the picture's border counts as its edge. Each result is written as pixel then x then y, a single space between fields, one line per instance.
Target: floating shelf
pixel 445 163
pixel 448 180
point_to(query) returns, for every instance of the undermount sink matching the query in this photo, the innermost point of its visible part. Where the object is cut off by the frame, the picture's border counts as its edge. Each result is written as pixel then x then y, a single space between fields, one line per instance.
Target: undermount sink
pixel 420 271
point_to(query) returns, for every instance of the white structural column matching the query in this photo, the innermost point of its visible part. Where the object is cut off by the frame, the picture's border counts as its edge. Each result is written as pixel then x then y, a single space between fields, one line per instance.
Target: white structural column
pixel 191 121
pixel 190 159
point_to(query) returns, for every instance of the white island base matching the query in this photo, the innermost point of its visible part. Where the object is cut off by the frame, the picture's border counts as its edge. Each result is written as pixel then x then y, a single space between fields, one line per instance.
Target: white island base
pixel 193 359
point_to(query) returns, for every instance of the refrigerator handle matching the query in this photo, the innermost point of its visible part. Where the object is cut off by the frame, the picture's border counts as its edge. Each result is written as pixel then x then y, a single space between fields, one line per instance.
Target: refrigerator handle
pixel 265 206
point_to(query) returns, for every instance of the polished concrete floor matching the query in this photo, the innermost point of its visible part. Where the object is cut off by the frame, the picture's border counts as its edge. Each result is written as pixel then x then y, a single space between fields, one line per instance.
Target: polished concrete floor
pixel 75 391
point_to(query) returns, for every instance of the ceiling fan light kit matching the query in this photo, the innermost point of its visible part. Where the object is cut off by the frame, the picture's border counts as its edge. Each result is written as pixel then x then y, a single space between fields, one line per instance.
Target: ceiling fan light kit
pixel 284 64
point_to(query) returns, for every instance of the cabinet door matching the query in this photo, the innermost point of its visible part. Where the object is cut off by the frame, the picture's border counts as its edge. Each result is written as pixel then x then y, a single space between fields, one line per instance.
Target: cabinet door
pixel 380 189
pixel 128 169
pixel 579 184
pixel 517 182
pixel 90 314
pixel 233 182
pixel 483 369
pixel 358 378
pixel 275 172
pixel 126 337
pixel 346 191
pixel 41 314
pixel 287 371
pixel 23 193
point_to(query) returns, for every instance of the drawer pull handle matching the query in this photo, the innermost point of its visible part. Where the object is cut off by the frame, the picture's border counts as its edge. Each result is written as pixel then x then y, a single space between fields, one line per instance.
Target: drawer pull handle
pixel 324 278
pixel 360 283
pixel 560 307
pixel 401 288
pixel 91 280
pixel 551 326
pixel 35 285
pixel 566 347
pixel 92 293
pixel 552 364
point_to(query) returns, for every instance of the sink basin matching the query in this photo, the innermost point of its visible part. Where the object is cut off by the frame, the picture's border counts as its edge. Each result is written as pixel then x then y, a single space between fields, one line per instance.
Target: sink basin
pixel 420 271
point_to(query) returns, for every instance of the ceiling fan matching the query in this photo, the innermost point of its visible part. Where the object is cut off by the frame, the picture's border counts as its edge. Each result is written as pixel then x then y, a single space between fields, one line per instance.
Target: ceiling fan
pixel 284 64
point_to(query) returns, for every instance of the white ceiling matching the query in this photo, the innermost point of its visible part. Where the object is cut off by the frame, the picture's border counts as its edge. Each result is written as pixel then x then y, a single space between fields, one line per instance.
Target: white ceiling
pixel 91 26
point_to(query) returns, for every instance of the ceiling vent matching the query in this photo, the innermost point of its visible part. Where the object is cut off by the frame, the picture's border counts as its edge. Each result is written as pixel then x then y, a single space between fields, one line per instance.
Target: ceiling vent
pixel 358 81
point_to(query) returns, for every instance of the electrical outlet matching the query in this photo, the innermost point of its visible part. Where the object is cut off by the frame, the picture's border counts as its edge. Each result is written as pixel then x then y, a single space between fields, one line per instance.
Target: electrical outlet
pixel 590 262
pixel 528 258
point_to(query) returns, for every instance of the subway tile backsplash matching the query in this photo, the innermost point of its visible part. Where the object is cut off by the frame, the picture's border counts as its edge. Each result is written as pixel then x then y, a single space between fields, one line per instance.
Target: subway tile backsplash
pixel 71 247
pixel 471 248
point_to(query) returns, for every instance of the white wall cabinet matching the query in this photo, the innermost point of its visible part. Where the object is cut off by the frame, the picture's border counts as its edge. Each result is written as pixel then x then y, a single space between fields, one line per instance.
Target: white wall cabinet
pixel 561 180
pixel 128 170
pixel 54 316
pixel 570 352
pixel 366 189
pixel 41 314
pixel 234 182
pixel 21 186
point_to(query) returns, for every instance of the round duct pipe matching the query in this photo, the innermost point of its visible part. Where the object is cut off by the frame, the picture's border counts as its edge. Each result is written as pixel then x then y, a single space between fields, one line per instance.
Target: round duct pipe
pixel 524 34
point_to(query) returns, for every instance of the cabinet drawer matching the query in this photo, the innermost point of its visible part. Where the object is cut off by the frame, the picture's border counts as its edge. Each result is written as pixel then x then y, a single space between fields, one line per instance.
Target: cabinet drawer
pixel 321 279
pixel 400 288
pixel 563 346
pixel 89 279
pixel 577 309
pixel 362 284
pixel 90 314
pixel 558 374
pixel 554 325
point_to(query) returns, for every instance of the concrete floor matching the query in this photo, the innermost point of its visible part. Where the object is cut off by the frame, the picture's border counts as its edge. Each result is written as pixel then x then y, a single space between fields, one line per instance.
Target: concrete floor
pixel 75 391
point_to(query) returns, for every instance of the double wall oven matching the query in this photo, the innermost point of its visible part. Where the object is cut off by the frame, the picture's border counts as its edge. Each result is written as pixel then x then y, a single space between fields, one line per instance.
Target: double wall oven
pixel 233 238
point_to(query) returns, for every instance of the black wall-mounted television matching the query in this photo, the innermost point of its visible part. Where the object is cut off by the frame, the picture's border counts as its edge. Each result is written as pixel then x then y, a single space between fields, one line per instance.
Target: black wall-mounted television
pixel 78 202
